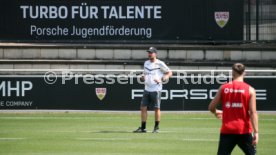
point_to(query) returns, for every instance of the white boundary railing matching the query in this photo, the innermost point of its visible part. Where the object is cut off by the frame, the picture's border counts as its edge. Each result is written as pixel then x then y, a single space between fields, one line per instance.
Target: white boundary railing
pixel 41 72
pixel 121 70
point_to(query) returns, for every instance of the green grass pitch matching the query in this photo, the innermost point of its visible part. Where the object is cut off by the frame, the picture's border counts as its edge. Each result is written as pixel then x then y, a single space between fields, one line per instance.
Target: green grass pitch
pixel 111 134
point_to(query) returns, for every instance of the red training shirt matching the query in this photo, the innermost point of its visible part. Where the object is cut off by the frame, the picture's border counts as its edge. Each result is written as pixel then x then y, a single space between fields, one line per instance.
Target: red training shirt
pixel 235 97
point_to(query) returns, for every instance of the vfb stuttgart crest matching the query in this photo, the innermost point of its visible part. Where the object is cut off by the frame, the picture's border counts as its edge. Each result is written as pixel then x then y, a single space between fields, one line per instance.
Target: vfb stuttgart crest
pixel 100 92
pixel 222 18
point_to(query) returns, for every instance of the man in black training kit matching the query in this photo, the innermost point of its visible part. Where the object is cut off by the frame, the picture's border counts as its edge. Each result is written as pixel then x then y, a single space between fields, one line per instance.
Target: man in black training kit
pixel 155 72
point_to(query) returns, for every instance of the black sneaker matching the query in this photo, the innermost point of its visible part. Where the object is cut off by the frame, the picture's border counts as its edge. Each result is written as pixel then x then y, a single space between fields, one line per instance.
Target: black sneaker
pixel 140 130
pixel 155 130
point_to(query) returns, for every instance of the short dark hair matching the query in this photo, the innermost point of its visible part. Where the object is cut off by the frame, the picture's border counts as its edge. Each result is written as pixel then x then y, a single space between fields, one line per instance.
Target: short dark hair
pixel 238 68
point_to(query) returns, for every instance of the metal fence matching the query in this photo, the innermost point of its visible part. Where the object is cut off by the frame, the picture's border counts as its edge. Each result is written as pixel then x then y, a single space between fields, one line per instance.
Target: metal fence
pixel 260 20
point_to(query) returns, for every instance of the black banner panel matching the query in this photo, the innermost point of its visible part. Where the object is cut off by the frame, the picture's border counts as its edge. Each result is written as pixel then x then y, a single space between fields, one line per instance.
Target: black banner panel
pixel 115 93
pixel 121 21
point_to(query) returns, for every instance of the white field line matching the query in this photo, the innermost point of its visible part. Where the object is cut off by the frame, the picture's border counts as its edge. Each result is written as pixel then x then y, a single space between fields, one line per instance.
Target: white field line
pixel 68 131
pixel 200 140
pixel 106 118
pixel 6 138
pixel 129 139
pixel 112 111
pixel 129 131
pixel 105 139
pixel 200 118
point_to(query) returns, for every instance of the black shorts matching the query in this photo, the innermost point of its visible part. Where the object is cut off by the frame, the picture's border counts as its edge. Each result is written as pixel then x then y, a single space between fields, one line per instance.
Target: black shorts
pixel 227 142
pixel 151 99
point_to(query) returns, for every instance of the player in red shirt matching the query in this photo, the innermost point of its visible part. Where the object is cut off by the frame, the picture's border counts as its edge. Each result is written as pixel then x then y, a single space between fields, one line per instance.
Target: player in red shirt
pixel 238 114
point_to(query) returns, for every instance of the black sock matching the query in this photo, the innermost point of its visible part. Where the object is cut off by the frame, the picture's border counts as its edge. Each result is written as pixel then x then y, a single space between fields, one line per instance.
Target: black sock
pixel 143 125
pixel 156 124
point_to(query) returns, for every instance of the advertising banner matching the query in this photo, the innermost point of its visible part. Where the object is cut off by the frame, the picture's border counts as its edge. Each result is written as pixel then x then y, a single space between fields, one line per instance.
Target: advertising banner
pixel 118 93
pixel 122 21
